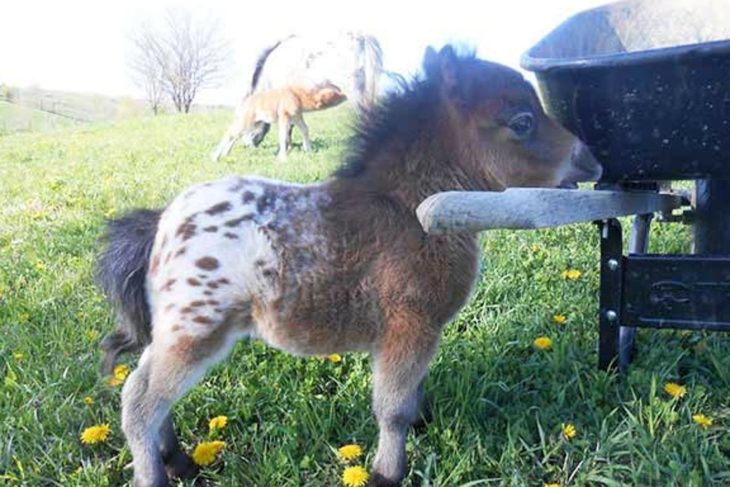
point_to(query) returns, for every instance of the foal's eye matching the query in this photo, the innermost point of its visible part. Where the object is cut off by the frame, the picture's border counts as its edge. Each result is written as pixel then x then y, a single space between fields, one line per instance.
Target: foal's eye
pixel 522 124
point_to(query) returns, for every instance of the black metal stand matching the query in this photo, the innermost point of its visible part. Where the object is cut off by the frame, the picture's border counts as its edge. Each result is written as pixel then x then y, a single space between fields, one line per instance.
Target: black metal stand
pixel 712 217
pixel 610 302
pixel 638 244
pixel 689 292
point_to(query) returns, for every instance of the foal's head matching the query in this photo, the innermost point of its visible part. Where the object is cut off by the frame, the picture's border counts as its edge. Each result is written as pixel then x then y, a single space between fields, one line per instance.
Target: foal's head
pixel 328 95
pixel 498 128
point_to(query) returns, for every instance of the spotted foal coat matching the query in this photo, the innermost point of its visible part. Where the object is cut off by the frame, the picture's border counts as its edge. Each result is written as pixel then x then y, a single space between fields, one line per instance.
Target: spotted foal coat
pixel 237 267
pixel 314 269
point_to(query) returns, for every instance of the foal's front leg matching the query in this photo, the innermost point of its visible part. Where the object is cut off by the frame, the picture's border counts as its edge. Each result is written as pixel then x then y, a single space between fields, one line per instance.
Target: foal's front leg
pixel 302 126
pixel 399 367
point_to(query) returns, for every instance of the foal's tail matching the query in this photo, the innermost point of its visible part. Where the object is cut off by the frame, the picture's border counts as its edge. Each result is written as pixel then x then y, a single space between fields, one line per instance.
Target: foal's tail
pixel 121 271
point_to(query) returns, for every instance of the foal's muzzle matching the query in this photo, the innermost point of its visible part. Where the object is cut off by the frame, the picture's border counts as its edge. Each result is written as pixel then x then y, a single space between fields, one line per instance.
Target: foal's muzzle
pixel 583 167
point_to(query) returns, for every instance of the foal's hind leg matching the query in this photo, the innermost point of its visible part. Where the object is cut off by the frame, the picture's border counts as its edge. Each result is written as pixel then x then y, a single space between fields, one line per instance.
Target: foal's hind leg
pixel 178 464
pixel 234 132
pixel 399 367
pixel 284 137
pixel 169 367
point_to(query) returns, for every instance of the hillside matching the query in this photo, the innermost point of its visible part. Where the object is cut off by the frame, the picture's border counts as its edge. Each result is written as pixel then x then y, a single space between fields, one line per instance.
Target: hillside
pixel 18 118
pixel 40 110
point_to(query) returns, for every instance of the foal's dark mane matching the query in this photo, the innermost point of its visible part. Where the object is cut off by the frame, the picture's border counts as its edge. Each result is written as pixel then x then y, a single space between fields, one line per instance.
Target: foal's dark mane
pixel 400 116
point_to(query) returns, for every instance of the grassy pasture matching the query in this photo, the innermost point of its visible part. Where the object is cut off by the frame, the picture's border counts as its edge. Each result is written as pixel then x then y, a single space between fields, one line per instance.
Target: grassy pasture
pixel 498 402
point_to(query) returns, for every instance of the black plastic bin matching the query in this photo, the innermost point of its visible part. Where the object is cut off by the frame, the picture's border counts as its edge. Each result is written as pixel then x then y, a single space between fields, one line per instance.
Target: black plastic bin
pixel 646 84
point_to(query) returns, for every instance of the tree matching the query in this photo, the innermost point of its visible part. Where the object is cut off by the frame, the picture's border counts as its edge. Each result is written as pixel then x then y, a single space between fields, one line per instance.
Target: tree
pixel 147 74
pixel 178 59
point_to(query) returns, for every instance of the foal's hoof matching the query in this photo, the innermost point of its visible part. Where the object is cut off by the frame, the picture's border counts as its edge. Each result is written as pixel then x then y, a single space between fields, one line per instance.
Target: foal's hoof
pixel 425 416
pixel 181 466
pixel 377 480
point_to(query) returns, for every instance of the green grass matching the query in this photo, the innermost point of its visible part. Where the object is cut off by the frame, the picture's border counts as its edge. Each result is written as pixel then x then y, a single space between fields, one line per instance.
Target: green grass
pixel 498 403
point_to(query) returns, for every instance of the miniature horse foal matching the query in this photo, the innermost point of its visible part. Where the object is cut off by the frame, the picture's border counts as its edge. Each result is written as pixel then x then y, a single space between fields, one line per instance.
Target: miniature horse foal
pixel 286 107
pixel 333 267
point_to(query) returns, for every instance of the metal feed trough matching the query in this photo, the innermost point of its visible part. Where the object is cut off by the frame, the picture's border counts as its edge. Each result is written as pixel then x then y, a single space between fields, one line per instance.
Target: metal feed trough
pixel 646 84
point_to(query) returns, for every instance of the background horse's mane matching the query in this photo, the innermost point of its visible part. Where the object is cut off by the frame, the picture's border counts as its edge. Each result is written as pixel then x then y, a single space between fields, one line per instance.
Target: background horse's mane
pixel 399 115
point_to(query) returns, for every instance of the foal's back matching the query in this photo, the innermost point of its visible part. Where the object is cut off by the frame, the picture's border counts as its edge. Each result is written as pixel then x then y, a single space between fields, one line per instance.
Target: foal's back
pixel 290 102
pixel 252 257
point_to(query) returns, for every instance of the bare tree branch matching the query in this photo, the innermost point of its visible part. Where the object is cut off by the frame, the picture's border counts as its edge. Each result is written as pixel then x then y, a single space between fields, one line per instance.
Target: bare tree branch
pixel 178 59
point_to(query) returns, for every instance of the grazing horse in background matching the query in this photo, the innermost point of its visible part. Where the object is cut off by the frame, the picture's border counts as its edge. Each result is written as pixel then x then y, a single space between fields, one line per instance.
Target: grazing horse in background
pixel 352 61
pixel 285 106
pixel 338 266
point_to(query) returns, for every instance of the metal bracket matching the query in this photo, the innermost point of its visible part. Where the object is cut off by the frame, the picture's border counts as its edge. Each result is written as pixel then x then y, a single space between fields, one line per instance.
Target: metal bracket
pixel 610 294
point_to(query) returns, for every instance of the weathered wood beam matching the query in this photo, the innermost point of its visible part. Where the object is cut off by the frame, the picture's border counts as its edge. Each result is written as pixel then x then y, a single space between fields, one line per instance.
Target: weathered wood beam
pixel 530 208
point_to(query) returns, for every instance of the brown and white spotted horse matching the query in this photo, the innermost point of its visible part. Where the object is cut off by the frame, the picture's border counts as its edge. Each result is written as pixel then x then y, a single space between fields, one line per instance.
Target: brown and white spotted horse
pixel 333 267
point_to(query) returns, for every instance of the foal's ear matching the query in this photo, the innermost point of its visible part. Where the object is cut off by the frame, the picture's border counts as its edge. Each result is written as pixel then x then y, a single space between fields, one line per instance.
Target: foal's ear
pixel 442 67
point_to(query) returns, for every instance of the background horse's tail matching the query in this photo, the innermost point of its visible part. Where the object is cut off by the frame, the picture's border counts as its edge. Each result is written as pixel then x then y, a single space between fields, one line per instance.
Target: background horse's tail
pixel 372 67
pixel 260 63
pixel 121 270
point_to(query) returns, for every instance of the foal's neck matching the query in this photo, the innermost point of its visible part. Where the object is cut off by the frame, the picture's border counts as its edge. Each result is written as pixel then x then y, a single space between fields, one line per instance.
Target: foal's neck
pixel 306 98
pixel 409 176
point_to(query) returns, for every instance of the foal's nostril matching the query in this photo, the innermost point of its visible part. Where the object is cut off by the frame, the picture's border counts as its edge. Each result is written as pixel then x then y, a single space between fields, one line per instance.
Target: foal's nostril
pixel 585 166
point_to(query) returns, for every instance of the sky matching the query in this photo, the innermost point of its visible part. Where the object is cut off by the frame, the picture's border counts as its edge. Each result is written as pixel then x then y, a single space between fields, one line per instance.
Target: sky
pixel 83 46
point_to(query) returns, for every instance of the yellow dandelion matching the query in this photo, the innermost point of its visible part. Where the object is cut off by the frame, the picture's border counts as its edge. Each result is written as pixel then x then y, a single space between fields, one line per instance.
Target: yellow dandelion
pixel 88 400
pixel 703 421
pixel 349 452
pixel 92 335
pixel 559 319
pixel 552 485
pixel 335 358
pixel 355 476
pixel 40 266
pixel 95 434
pixel 18 356
pixel 569 431
pixel 110 212
pixel 206 452
pixel 543 343
pixel 675 390
pixel 571 274
pixel 121 372
pixel 218 423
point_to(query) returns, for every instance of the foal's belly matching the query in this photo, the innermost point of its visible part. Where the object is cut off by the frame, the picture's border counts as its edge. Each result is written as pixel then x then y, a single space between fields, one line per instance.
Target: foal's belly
pixel 319 321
